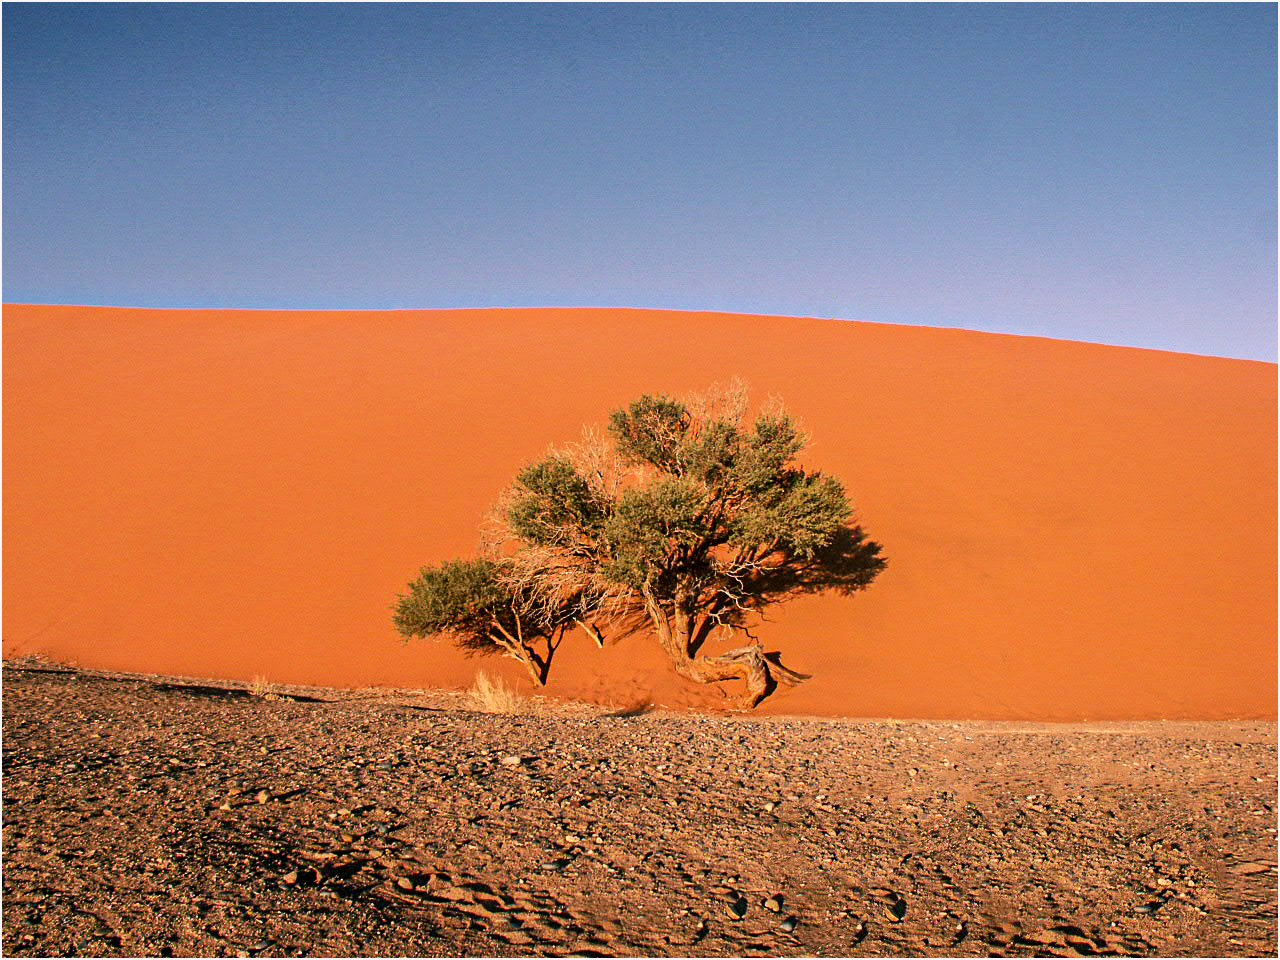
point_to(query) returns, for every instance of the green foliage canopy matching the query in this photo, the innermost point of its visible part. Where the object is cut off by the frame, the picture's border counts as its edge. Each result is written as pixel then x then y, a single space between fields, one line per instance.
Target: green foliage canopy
pixel 461 597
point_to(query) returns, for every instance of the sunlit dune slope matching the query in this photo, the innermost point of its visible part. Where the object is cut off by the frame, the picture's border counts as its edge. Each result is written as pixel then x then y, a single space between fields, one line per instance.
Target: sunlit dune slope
pixel 1074 530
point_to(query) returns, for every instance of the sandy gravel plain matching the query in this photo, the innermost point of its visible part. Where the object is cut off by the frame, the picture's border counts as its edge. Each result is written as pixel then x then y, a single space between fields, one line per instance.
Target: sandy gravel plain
pixel 167 817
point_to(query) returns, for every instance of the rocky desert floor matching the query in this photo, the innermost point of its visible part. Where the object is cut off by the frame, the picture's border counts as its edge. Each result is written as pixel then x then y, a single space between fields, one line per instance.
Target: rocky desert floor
pixel 168 817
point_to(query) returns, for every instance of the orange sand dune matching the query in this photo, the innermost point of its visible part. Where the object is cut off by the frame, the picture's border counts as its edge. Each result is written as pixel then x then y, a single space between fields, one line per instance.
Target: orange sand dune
pixel 1074 531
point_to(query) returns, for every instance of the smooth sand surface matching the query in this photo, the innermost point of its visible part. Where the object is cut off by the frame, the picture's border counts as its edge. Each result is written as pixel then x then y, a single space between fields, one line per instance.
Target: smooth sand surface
pixel 1074 531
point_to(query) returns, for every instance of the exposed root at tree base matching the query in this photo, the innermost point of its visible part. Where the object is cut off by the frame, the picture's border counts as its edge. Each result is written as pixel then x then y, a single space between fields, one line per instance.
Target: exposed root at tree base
pixel 760 672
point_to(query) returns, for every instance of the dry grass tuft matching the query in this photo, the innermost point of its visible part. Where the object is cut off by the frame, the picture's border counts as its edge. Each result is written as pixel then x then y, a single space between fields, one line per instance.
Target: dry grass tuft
pixel 493 695
pixel 259 686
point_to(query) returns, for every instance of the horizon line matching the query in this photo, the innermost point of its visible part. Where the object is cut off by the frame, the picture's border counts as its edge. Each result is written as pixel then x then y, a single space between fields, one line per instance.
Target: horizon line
pixel 740 313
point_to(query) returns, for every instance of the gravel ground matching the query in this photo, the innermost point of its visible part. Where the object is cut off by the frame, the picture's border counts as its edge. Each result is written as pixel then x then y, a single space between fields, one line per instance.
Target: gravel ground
pixel 155 816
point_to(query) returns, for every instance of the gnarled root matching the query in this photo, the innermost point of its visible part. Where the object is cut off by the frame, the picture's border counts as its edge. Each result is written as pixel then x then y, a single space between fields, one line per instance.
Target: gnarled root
pixel 760 672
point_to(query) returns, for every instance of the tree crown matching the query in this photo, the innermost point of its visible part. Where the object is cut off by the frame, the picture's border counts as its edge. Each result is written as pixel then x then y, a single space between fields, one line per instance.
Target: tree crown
pixel 709 504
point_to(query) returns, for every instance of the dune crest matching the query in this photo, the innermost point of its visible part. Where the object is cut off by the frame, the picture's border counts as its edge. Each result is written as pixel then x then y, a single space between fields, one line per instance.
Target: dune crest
pixel 1074 531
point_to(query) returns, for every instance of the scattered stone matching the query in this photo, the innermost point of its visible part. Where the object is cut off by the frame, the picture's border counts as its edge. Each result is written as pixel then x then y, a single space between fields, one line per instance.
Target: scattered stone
pixel 774 903
pixel 789 924
pixel 738 907
pixel 897 908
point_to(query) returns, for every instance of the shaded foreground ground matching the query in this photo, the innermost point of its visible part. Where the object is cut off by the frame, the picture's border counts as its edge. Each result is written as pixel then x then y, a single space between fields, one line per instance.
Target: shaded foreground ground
pixel 147 816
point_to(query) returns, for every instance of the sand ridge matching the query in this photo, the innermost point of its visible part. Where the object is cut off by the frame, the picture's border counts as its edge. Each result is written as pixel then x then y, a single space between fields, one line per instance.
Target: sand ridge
pixel 1074 531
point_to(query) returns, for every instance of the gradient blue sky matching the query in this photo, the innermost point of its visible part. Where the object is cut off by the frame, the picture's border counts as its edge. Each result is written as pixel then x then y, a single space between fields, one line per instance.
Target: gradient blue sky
pixel 1097 172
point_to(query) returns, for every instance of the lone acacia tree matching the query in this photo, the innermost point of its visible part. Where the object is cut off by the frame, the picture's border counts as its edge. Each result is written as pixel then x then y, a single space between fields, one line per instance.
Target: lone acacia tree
pixel 685 520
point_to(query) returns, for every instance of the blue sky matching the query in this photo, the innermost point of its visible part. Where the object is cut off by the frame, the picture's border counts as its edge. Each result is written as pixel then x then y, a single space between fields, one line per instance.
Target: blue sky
pixel 1102 172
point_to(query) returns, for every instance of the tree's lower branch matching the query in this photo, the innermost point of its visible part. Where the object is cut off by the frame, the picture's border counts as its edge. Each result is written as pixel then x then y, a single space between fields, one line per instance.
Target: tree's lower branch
pixel 592 631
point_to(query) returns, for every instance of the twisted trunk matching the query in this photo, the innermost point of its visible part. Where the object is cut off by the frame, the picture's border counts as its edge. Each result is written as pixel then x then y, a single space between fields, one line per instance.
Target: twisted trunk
pixel 680 636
